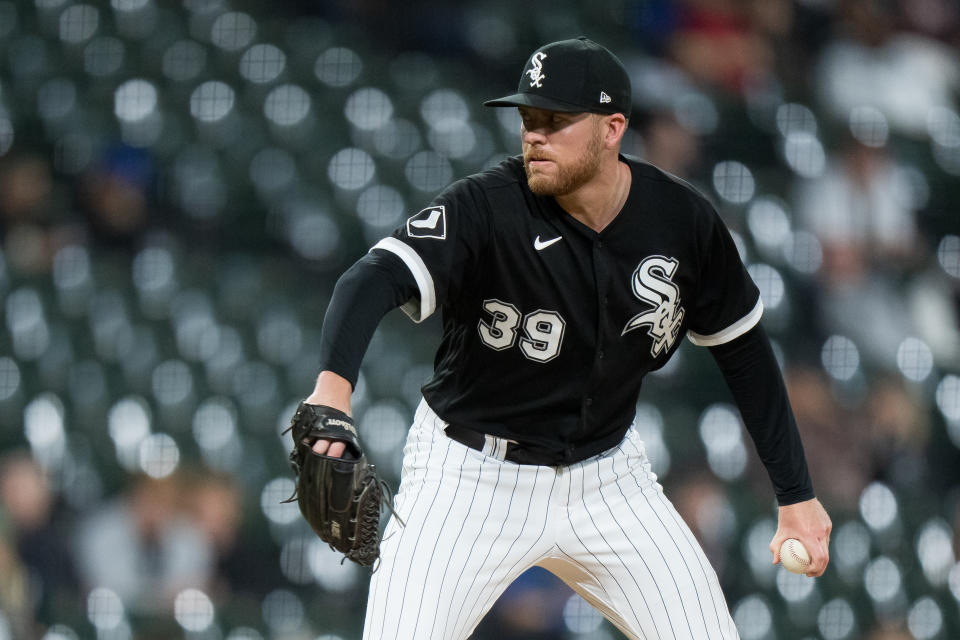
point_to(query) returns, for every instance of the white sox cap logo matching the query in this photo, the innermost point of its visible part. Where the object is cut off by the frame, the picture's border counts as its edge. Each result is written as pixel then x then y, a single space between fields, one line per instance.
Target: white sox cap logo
pixel 536 72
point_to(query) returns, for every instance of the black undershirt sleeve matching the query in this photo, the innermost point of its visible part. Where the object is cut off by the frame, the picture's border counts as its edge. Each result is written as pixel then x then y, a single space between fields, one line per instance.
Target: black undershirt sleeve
pixel 375 284
pixel 753 376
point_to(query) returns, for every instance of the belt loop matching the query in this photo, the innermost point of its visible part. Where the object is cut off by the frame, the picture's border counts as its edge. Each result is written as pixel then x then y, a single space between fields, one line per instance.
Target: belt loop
pixel 495 447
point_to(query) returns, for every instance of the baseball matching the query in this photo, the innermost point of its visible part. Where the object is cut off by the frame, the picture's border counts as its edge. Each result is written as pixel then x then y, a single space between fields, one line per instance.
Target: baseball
pixel 794 556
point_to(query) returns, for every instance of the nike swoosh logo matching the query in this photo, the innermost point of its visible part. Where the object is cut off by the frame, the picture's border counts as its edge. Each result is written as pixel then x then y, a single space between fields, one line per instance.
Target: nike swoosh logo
pixel 540 246
pixel 429 223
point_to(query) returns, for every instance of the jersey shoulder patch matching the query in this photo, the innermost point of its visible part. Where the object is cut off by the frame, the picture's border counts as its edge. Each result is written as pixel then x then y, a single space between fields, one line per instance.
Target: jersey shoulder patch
pixel 429 223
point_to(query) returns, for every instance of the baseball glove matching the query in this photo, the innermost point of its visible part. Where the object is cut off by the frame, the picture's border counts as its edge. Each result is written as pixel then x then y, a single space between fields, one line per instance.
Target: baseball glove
pixel 341 498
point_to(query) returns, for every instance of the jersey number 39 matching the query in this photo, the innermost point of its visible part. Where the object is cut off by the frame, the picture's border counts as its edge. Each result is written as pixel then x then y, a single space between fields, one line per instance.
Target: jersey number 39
pixel 542 330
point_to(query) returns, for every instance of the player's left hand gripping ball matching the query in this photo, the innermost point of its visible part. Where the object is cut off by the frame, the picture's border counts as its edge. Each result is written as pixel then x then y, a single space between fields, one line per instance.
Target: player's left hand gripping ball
pixel 341 498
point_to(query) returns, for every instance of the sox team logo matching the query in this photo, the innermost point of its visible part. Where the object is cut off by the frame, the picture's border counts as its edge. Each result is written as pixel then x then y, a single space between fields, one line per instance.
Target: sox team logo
pixel 652 283
pixel 536 72
pixel 429 223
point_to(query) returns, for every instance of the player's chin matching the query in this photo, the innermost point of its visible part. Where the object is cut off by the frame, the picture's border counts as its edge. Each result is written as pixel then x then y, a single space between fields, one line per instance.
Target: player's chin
pixel 540 182
pixel 542 186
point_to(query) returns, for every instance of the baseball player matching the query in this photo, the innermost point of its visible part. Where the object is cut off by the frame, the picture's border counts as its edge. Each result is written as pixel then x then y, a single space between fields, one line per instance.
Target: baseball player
pixel 562 278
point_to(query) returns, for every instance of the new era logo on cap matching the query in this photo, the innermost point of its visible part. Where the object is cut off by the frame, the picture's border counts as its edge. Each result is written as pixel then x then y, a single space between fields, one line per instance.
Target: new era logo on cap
pixel 584 77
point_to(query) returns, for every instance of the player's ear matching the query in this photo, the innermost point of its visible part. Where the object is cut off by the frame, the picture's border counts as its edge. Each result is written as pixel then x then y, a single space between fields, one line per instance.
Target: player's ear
pixel 613 127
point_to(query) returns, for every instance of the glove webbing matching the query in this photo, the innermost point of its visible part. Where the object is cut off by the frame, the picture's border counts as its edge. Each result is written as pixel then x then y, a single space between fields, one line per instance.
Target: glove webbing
pixel 366 550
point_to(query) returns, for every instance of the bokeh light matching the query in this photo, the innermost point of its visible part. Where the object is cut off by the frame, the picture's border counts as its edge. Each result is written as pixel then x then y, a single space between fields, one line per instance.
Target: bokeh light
pixel 193 610
pixel 9 378
pixel 273 170
pixel 793 587
pixel 287 105
pixel 262 63
pixel 428 171
pixel 756 550
pixel 215 423
pixel 768 222
pixel 805 154
pixel 925 619
pixel 753 617
pixel 580 617
pixel 134 100
pixel 79 23
pixel 211 101
pixel 935 551
pixel 943 125
pixel 948 398
pixel 836 620
pixel 915 359
pixel 368 108
pixel 60 632
pixel 803 252
pixel 43 427
pixel 159 455
pixel 103 56
pixel 733 181
pixel 770 283
pixel 795 118
pixel 948 255
pixel 184 60
pixel 351 169
pixel 327 570
pixel 953 581
pixel 104 609
pixel 720 430
pixel 384 426
pixel 272 501
pixel 397 139
pixel 840 357
pixel 869 126
pixel 444 109
pixel 6 133
pixel 850 545
pixel 338 67
pixel 878 506
pixel 233 31
pixel 380 208
pixel 282 611
pixel 882 579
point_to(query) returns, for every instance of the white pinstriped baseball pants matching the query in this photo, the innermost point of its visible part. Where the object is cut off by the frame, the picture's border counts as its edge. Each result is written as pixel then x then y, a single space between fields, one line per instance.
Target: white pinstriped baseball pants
pixel 475 523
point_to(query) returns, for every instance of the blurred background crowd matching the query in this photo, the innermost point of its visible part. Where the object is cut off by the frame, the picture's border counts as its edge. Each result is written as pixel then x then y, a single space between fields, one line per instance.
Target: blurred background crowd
pixel 181 183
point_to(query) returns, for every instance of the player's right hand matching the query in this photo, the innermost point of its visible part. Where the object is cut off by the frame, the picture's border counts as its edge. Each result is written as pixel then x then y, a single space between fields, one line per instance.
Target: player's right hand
pixel 809 523
pixel 332 448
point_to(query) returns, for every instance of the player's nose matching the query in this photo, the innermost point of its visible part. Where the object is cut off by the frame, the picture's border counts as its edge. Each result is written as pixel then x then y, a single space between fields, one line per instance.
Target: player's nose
pixel 536 135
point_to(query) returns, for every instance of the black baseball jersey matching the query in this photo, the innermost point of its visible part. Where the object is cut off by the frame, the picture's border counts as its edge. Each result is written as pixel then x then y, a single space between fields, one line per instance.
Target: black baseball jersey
pixel 548 326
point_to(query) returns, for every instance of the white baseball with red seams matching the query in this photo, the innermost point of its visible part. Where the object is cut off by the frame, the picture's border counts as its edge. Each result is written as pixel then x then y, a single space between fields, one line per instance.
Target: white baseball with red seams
pixel 794 556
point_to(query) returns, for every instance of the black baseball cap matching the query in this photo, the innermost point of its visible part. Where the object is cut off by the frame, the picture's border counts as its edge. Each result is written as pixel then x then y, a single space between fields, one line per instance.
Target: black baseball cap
pixel 572 75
